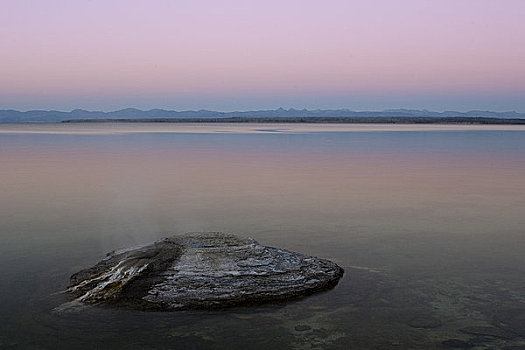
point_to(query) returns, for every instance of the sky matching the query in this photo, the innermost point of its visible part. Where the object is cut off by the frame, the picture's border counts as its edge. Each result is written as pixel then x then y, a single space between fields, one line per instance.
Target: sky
pixel 246 54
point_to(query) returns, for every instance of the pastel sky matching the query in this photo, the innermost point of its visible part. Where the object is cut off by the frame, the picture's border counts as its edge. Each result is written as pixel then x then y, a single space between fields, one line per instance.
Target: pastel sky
pixel 253 54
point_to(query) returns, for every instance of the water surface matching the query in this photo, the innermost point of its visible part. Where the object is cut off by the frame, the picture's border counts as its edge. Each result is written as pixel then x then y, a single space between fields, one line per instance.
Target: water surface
pixel 426 220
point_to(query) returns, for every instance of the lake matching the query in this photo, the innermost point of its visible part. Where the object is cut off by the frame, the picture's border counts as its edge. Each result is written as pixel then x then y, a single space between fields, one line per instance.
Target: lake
pixel 428 222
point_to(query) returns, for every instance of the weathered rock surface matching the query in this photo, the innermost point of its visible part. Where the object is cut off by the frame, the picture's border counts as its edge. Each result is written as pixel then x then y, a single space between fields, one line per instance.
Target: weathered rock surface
pixel 201 271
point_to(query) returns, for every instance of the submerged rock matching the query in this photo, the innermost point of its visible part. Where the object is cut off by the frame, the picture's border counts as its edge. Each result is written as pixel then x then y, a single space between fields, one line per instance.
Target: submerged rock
pixel 201 271
pixel 488 331
pixel 302 328
pixel 424 322
pixel 457 344
pixel 512 320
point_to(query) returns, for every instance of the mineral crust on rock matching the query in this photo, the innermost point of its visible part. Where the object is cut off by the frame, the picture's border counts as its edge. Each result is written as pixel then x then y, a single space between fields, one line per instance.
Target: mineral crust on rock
pixel 202 271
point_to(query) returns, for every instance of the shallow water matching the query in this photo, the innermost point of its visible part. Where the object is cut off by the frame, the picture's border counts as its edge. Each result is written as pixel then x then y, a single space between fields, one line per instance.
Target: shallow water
pixel 427 221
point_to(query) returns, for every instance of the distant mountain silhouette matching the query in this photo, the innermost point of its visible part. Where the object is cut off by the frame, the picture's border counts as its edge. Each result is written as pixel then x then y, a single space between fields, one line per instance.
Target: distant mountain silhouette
pixel 41 116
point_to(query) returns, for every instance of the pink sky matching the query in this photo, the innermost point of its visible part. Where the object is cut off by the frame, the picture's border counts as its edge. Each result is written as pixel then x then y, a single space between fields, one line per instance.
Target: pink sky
pixel 242 54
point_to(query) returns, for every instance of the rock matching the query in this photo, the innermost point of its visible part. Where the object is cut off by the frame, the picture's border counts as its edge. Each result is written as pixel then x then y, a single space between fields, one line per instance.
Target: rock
pixel 202 271
pixel 424 322
pixel 457 344
pixel 488 331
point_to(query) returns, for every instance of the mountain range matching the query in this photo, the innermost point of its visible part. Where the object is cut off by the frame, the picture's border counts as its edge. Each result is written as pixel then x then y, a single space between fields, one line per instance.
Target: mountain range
pixel 43 116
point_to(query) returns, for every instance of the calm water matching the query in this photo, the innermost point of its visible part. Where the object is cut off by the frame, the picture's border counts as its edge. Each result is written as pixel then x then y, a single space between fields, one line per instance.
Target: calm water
pixel 427 221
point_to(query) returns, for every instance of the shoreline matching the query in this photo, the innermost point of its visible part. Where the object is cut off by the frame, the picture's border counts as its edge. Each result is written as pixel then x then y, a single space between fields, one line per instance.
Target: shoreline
pixel 316 120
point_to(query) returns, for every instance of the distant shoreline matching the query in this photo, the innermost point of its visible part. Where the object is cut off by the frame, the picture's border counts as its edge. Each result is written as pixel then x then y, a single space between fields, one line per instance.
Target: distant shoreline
pixel 317 120
pixel 255 116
